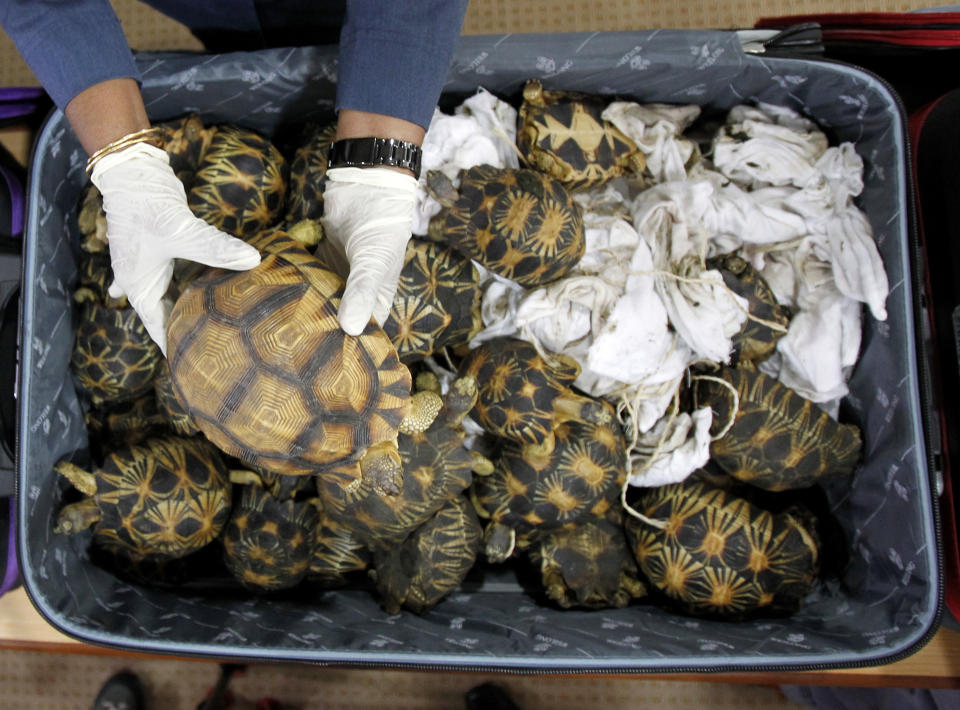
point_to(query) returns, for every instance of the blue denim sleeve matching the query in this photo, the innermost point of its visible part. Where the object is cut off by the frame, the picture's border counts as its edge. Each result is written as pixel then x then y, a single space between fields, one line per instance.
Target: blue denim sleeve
pixel 70 45
pixel 394 56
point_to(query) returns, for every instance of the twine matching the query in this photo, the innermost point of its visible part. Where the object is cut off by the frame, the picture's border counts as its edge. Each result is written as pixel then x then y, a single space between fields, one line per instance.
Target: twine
pixel 733 392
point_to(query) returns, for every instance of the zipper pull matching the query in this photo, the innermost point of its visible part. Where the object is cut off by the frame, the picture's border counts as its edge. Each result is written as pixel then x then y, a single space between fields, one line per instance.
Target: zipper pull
pixel 797 40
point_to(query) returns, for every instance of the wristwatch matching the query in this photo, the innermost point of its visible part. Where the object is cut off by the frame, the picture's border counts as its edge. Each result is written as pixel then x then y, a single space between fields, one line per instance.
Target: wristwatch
pixel 367 152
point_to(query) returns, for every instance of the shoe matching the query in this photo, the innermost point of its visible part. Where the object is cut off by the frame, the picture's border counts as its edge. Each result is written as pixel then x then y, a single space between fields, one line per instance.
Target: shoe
pixel 488 696
pixel 122 691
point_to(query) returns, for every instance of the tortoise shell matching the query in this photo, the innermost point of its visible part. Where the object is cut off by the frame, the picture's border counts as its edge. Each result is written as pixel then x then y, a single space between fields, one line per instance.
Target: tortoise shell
pixel 564 135
pixel 92 222
pixel 308 171
pixel 779 440
pixel 240 184
pixel 113 358
pixel 768 320
pixel 185 141
pixel 267 543
pixel 259 361
pixel 168 496
pixel 720 555
pixel 589 566
pixel 94 276
pixel 337 554
pixel 431 562
pixel 521 395
pixel 168 405
pixel 531 492
pixel 520 224
pixel 437 303
pixel 124 423
pixel 436 468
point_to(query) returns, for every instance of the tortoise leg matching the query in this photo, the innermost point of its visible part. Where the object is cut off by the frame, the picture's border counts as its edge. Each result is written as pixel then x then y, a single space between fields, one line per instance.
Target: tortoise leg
pixel 77 516
pixel 460 399
pixel 482 466
pixel 424 408
pixel 382 468
pixel 82 480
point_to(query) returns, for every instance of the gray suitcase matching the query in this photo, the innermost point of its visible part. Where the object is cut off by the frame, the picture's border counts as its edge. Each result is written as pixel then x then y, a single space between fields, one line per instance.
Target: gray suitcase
pixel 883 605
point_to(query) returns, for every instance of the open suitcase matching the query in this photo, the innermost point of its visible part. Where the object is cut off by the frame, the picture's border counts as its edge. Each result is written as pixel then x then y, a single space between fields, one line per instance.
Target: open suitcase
pixel 887 601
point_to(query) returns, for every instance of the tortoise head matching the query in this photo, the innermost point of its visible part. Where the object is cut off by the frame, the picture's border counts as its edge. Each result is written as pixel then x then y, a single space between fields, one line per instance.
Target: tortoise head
pixel 441 188
pixel 381 466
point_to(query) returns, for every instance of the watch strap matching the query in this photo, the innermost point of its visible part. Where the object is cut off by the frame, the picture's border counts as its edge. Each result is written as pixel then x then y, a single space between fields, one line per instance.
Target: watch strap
pixel 368 152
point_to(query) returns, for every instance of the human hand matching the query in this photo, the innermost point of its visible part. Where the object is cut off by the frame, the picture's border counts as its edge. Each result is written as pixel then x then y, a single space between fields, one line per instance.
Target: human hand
pixel 149 225
pixel 368 217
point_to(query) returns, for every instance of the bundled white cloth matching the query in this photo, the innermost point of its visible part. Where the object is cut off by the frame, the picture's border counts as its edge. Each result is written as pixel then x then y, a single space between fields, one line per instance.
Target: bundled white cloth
pixel 701 308
pixel 657 131
pixel 768 145
pixel 672 450
pixel 482 131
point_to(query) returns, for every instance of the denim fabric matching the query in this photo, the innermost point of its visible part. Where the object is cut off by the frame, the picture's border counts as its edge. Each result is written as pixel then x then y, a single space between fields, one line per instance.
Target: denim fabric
pixel 393 58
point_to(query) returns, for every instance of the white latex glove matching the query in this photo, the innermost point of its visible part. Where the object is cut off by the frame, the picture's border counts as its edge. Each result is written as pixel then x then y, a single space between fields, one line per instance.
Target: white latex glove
pixel 149 225
pixel 367 218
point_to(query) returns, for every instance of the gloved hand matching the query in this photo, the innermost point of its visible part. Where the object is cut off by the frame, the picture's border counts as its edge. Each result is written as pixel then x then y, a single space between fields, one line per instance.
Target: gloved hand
pixel 149 225
pixel 367 219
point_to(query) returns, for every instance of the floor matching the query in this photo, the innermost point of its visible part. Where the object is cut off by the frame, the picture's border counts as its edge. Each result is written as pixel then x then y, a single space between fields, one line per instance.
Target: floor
pixel 35 680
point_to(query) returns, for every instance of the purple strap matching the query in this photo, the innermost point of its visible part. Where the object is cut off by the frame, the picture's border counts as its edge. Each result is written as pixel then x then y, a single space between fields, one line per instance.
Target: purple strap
pixel 17 201
pixel 16 101
pixel 13 567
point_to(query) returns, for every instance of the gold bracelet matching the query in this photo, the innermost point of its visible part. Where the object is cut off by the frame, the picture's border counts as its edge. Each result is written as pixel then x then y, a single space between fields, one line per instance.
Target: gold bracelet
pixel 141 136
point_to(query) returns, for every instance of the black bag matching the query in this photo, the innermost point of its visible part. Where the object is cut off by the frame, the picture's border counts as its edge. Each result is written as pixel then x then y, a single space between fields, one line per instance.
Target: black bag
pixel 19 106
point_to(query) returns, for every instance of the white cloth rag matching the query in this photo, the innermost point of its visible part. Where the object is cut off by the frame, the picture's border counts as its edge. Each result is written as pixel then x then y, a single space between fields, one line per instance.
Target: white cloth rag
pixel 480 132
pixel 673 449
pixel 657 130
pixel 701 308
pixel 767 145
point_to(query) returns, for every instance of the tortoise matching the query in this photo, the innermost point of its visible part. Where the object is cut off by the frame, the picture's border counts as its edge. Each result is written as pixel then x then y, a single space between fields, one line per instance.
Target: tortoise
pixel 240 184
pixel 437 303
pixel 719 555
pixel 778 440
pixel 431 562
pixel 174 413
pixel 260 363
pixel 337 554
pixel 268 542
pixel 519 223
pixel 531 492
pixel 144 568
pixel 521 395
pixel 113 358
pixel 94 276
pixel 185 141
pixel 564 135
pixel 589 566
pixel 127 422
pixel 768 320
pixel 92 221
pixel 308 171
pixel 436 468
pixel 168 496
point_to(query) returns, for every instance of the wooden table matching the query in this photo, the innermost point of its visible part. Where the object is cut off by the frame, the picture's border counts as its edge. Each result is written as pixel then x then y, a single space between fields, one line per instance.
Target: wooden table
pixel 936 665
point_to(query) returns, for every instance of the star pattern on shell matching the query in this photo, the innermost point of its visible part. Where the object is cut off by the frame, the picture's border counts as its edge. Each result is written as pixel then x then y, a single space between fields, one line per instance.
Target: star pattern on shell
pixel 564 135
pixel 240 183
pixel 718 554
pixel 779 440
